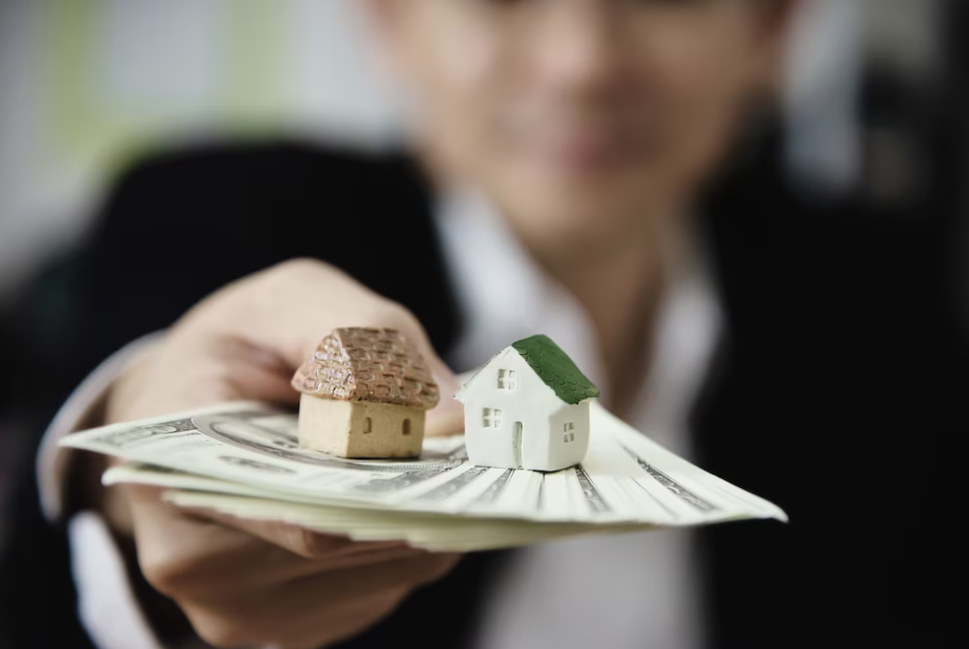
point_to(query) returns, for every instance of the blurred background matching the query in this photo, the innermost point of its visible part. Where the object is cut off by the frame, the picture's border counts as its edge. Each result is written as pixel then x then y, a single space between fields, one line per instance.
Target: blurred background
pixel 87 84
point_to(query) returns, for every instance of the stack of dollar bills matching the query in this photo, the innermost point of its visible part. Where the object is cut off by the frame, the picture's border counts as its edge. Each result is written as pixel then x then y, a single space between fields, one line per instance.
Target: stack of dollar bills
pixel 244 459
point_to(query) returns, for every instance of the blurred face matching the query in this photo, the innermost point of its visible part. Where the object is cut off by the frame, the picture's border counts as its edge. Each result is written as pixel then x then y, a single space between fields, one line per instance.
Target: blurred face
pixel 583 120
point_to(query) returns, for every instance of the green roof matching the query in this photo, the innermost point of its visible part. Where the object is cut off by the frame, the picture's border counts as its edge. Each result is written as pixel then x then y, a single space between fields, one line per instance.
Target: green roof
pixel 556 369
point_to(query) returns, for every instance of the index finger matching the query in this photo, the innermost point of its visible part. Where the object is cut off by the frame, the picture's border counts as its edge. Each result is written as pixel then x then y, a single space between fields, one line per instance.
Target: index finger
pixel 300 540
pixel 146 499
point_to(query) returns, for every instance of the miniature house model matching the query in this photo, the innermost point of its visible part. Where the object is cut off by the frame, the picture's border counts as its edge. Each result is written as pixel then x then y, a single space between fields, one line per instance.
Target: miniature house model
pixel 364 395
pixel 528 408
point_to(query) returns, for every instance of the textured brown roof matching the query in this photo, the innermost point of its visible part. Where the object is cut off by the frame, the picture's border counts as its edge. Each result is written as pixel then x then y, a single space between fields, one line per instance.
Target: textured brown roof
pixel 362 364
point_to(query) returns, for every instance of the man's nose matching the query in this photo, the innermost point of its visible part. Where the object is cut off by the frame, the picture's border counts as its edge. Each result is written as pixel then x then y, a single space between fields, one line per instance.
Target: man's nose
pixel 578 45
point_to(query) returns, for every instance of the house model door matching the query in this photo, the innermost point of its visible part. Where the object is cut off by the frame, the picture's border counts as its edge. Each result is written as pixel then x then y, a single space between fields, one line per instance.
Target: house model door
pixel 516 443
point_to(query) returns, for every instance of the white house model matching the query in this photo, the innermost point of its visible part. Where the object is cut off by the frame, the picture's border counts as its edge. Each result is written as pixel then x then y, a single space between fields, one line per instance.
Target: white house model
pixel 528 408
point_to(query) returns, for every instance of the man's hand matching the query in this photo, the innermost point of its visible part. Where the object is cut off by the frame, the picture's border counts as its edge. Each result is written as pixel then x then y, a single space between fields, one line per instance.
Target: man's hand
pixel 243 582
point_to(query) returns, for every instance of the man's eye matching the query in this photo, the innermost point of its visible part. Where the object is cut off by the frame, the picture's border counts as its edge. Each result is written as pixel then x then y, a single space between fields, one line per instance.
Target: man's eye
pixel 671 3
pixel 505 3
pixel 641 3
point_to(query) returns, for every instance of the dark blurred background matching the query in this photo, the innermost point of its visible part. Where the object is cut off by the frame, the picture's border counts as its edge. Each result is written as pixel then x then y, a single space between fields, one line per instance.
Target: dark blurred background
pixel 875 103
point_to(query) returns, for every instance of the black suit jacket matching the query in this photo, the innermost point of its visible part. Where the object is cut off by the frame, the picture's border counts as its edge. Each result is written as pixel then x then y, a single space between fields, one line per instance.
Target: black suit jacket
pixel 837 392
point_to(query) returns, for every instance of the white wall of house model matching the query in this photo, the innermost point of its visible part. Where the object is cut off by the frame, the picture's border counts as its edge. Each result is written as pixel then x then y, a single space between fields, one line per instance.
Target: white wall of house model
pixel 513 419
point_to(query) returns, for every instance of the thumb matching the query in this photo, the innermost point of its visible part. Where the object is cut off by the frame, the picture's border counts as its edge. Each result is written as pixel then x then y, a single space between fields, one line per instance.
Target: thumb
pixel 287 310
pixel 447 417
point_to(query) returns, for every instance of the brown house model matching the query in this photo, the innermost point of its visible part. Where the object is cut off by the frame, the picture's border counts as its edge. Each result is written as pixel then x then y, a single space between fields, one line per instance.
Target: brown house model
pixel 364 394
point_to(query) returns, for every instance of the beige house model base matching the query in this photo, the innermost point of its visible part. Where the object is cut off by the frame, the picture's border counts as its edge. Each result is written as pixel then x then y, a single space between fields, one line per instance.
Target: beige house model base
pixel 364 395
pixel 360 429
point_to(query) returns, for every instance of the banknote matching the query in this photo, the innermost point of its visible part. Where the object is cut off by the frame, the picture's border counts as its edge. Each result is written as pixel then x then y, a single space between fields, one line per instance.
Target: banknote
pixel 245 459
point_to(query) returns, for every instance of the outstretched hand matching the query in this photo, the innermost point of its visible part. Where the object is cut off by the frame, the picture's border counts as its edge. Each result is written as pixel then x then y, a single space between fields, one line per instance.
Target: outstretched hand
pixel 245 582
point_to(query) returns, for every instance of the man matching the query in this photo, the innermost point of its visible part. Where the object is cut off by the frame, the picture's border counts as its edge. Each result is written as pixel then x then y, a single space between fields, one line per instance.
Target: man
pixel 564 143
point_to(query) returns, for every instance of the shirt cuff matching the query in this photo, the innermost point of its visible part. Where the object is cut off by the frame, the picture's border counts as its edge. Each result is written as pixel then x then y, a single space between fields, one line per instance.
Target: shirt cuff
pixel 106 605
pixel 84 409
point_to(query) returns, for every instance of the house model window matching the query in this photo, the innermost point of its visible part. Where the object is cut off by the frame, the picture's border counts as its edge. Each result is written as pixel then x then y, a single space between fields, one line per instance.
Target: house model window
pixel 568 430
pixel 491 418
pixel 507 379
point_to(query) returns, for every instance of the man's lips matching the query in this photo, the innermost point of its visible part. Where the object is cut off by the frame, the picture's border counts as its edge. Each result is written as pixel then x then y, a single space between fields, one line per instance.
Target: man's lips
pixel 584 153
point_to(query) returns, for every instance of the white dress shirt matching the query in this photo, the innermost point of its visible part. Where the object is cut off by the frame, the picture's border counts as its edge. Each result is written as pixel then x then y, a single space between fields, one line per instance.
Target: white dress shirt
pixel 622 591
pixel 616 592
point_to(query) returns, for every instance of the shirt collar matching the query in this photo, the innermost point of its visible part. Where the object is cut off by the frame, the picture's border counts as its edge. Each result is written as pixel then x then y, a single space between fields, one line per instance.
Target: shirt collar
pixel 505 296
